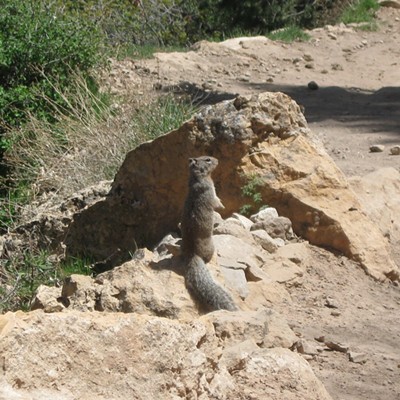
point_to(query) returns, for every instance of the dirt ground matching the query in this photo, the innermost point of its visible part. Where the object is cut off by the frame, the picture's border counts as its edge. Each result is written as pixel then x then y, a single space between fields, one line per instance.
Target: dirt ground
pixel 356 105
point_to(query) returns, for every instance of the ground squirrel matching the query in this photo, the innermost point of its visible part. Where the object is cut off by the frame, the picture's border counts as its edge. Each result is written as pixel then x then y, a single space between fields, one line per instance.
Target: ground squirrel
pixel 197 227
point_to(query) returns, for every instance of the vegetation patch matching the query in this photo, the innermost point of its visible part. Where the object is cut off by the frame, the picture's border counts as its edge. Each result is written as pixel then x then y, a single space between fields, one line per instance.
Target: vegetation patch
pixel 21 276
pixel 360 11
pixel 251 192
pixel 289 34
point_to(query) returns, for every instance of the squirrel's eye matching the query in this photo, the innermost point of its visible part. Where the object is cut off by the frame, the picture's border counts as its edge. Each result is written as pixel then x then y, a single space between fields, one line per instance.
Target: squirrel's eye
pixel 208 160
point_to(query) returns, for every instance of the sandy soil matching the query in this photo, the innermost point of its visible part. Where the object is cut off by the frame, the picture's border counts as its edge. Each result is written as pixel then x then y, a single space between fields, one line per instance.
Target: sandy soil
pixel 356 105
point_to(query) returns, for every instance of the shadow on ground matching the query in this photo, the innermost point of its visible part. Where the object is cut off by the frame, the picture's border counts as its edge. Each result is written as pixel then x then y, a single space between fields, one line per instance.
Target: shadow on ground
pixel 368 111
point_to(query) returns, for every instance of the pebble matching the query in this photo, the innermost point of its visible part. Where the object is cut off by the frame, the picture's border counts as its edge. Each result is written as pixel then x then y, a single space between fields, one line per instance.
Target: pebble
pixel 304 347
pixel 309 65
pixel 395 150
pixel 332 36
pixel 359 358
pixel 207 86
pixel 343 348
pixel 313 85
pixel 336 67
pixel 377 148
pixel 331 303
pixel 307 57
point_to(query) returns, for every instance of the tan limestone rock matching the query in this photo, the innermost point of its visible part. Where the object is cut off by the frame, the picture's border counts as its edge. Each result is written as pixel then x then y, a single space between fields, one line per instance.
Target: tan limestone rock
pixel 140 286
pixel 115 356
pixel 379 194
pixel 48 299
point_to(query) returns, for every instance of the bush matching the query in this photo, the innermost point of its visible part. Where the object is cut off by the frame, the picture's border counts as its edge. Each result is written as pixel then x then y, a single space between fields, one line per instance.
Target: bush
pixel 360 11
pixel 38 42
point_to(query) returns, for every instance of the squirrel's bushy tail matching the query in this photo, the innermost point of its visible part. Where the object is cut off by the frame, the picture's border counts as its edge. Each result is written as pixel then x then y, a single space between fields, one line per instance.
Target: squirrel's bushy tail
pixel 203 288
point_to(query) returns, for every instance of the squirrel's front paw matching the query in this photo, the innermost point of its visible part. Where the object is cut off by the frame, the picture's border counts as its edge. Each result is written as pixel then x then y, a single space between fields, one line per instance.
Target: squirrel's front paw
pixel 219 204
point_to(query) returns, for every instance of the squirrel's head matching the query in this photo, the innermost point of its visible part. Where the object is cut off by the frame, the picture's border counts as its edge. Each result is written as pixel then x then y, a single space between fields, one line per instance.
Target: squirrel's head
pixel 202 166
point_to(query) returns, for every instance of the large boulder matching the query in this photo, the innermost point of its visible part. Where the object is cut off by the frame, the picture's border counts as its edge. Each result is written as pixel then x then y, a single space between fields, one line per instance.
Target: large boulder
pixel 379 194
pixel 263 137
pixel 112 356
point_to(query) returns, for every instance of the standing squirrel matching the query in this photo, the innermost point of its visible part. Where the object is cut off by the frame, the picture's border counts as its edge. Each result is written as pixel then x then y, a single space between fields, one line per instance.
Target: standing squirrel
pixel 197 227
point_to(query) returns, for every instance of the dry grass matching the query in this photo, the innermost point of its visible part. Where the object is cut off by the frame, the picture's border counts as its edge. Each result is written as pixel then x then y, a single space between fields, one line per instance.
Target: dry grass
pixel 85 143
pixel 88 140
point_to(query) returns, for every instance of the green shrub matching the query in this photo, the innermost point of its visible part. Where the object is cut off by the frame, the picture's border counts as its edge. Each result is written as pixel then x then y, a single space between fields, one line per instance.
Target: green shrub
pixel 360 11
pixel 289 34
pixel 251 192
pixel 38 42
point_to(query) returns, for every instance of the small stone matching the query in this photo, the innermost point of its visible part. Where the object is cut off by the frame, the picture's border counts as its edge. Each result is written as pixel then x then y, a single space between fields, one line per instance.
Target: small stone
pixel 343 348
pixel 332 36
pixel 308 57
pixel 48 299
pixel 270 79
pixel 359 358
pixel 265 240
pixel 377 148
pixel 244 78
pixel 336 313
pixel 324 71
pixel 304 347
pixel 313 85
pixel 331 303
pixel 336 67
pixel 309 65
pixel 266 214
pixel 395 150
pixel 246 222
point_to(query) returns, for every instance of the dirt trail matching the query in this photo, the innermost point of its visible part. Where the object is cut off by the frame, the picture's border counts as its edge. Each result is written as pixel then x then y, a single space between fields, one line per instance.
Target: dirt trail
pixel 356 105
